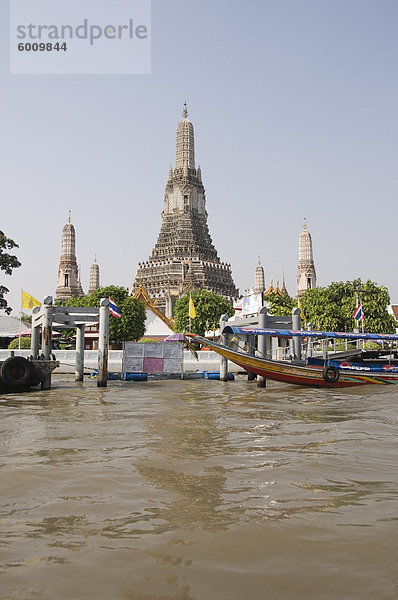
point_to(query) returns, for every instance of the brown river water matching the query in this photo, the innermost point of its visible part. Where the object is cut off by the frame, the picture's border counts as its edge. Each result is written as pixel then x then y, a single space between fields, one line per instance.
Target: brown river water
pixel 180 490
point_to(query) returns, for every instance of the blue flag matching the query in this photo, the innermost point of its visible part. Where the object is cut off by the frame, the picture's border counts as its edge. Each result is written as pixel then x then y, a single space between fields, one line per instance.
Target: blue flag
pixel 113 309
pixel 359 314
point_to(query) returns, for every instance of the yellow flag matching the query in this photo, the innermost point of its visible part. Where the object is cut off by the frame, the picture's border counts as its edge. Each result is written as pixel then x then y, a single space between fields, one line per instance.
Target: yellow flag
pixel 192 311
pixel 301 308
pixel 28 301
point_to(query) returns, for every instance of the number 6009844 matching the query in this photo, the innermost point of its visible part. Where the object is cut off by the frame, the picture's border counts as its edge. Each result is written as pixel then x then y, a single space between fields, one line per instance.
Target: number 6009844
pixel 41 47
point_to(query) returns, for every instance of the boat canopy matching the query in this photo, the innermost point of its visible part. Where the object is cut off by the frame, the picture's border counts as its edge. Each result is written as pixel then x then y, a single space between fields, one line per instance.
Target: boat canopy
pixel 289 333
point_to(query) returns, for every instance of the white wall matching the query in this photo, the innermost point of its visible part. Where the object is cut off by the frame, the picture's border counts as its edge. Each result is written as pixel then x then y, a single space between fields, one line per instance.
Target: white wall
pixel 208 360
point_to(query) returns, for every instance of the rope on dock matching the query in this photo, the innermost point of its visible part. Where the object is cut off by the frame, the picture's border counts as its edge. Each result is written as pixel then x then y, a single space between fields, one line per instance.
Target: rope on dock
pixel 86 372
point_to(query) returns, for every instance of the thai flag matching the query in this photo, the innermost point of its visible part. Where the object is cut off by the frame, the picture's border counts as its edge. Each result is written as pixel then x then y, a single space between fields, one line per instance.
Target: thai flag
pixel 359 314
pixel 113 309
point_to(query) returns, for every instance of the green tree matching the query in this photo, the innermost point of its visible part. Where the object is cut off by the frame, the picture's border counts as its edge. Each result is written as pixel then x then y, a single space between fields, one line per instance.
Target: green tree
pixel 331 308
pixel 25 343
pixel 375 300
pixel 208 306
pixel 8 262
pixel 131 325
pixel 324 311
pixel 77 301
pixel 281 305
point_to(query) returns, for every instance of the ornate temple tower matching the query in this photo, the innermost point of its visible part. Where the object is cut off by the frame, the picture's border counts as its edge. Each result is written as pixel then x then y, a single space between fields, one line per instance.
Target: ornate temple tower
pixel 306 276
pixel 259 282
pixel 68 273
pixel 184 257
pixel 94 277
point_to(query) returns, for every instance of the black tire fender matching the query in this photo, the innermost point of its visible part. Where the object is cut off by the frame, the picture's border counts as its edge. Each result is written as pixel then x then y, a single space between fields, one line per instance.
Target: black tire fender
pixel 331 374
pixel 17 372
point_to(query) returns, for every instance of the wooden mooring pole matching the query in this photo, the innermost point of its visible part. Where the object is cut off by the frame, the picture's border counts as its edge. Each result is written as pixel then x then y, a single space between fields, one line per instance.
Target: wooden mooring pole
pixel 296 326
pixel 223 361
pixel 310 347
pixel 35 335
pixel 251 349
pixel 46 343
pixel 79 368
pixel 262 342
pixel 103 343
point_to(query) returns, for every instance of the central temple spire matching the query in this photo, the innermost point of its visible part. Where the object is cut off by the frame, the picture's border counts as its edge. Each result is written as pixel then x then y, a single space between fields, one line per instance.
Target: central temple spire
pixel 185 143
pixel 184 257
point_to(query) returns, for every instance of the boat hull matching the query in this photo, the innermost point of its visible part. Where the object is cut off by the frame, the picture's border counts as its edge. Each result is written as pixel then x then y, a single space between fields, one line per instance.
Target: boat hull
pixel 301 375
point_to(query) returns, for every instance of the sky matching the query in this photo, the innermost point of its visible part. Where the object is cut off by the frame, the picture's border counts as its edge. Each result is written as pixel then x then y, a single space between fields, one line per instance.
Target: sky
pixel 294 105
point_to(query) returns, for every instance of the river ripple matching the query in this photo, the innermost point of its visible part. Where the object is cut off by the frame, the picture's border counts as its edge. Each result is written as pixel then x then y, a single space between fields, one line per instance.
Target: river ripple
pixel 180 490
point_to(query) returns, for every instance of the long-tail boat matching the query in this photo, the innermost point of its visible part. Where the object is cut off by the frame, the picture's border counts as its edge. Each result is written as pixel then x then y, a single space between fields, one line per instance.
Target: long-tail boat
pixel 362 368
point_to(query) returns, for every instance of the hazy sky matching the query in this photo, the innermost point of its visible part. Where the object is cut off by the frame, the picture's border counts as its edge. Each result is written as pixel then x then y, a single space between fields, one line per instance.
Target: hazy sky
pixel 294 104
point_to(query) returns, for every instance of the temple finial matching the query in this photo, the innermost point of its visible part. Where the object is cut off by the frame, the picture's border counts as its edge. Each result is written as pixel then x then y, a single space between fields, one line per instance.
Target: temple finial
pixel 69 216
pixel 185 145
pixel 305 223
